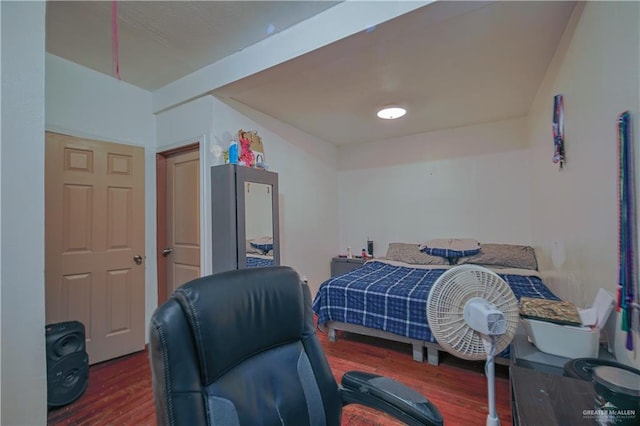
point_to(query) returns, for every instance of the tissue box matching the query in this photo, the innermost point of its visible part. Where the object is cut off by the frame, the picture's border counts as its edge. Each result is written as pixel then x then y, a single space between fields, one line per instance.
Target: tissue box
pixel 572 341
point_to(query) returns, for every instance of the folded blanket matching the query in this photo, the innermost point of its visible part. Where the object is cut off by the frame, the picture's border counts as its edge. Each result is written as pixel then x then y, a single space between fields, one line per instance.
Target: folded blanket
pixel 461 244
pixel 264 244
pixel 262 240
pixel 452 248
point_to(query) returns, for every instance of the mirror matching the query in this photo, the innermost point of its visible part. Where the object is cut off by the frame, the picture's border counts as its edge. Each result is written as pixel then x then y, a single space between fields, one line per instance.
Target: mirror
pixel 258 207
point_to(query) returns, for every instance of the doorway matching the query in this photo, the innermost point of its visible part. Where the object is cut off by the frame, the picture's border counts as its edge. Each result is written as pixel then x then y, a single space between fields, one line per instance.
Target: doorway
pixel 178 213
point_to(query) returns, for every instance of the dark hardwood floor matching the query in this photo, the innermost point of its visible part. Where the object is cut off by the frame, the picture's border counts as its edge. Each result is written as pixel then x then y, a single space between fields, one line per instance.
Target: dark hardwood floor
pixel 120 392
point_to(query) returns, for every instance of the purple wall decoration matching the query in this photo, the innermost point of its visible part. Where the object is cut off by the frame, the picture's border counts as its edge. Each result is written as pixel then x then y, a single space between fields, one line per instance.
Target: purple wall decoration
pixel 558 130
pixel 628 231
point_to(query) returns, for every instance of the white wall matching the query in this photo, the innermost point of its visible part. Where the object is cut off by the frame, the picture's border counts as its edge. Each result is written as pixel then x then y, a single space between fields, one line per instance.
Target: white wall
pixel 87 103
pixel 306 168
pixel 1 226
pixel 463 182
pixel 24 388
pixel 84 103
pixel 182 124
pixel 574 211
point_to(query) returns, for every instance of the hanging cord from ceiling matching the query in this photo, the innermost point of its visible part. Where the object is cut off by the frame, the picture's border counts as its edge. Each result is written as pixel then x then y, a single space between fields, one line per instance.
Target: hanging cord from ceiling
pixel 115 60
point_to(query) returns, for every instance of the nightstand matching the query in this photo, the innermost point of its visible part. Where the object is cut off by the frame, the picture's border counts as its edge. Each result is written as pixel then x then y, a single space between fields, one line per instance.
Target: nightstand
pixel 342 265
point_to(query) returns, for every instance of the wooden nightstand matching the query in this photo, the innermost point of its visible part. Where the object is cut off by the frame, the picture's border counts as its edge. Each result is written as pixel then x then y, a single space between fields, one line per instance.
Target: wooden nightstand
pixel 342 265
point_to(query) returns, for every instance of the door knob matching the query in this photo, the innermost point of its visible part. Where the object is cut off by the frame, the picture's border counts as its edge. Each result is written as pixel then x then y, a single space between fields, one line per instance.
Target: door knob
pixel 137 259
pixel 166 252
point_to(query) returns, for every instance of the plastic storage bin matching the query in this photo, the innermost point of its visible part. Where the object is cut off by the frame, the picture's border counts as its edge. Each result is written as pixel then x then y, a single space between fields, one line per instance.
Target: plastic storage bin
pixel 563 340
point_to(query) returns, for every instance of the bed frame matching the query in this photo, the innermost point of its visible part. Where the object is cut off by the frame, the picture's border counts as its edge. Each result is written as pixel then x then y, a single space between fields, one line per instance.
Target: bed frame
pixel 417 345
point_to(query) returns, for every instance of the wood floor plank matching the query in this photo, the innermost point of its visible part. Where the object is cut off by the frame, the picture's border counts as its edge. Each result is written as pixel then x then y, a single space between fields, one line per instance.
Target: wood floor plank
pixel 120 391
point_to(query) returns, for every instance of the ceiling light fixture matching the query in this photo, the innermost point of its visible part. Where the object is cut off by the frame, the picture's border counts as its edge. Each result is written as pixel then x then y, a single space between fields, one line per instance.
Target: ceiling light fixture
pixel 391 112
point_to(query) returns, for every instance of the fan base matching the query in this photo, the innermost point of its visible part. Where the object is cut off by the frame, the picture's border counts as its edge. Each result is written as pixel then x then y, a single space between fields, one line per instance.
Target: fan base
pixel 493 421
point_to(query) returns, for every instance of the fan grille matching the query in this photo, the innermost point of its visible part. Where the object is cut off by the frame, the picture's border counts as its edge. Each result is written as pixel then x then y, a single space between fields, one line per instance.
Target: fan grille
pixel 445 307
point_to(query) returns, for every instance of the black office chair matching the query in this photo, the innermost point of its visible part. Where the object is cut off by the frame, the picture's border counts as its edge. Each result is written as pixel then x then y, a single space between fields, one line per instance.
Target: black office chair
pixel 239 348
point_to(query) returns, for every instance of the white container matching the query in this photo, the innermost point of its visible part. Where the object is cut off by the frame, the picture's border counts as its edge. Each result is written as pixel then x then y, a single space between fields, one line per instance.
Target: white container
pixel 563 340
pixel 573 341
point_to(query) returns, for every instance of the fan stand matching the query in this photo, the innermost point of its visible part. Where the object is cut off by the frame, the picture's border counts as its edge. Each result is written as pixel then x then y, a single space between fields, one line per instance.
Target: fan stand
pixel 473 314
pixel 489 344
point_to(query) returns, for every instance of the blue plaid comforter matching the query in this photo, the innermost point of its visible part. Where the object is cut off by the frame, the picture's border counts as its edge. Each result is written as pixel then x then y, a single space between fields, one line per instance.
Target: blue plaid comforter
pixel 257 262
pixel 394 298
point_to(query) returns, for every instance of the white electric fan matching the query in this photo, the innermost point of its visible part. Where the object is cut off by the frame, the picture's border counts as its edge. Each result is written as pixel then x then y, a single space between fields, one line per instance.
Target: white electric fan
pixel 473 314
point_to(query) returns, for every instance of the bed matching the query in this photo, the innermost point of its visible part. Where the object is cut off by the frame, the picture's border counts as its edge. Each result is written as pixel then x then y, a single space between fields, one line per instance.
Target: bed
pixel 387 298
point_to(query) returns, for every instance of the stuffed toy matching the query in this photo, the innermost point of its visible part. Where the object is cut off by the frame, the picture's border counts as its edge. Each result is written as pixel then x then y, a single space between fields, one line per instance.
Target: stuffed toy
pixel 246 155
pixel 251 149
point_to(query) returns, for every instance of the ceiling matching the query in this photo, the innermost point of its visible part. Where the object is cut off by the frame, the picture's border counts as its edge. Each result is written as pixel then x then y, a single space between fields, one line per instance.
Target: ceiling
pixel 450 63
pixel 161 41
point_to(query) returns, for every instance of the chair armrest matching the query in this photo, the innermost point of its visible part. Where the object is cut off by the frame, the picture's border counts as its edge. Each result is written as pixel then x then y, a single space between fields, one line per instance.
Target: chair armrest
pixel 389 396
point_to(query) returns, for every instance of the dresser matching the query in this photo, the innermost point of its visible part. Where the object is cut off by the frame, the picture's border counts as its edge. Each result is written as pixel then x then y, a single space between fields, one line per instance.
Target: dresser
pixel 244 209
pixel 342 265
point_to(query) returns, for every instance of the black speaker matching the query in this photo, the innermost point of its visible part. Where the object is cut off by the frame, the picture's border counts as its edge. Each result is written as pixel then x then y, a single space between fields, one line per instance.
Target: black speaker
pixel 67 362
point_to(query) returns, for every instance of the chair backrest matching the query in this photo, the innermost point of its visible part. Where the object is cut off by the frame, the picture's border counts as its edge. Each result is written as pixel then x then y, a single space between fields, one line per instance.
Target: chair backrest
pixel 240 347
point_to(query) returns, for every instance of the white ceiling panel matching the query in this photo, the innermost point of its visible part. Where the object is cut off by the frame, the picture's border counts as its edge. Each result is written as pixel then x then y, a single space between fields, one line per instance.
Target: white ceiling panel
pixel 475 63
pixel 162 41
